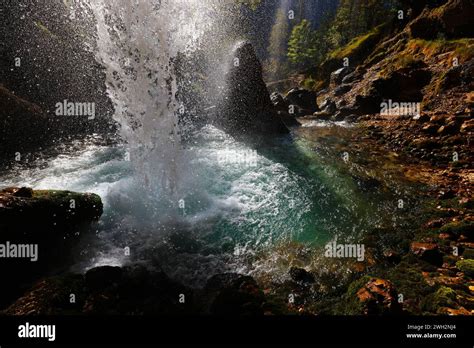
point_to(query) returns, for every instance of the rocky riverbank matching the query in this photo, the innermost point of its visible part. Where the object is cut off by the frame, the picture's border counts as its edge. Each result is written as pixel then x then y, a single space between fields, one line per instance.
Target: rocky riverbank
pixel 38 231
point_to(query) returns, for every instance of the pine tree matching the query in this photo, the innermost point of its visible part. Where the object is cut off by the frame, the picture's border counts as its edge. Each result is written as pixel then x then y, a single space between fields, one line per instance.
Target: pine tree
pixel 302 46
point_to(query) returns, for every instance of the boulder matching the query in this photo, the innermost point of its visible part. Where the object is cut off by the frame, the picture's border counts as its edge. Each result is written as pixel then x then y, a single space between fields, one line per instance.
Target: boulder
pixel 341 90
pixel 302 98
pixel 428 252
pixel 453 19
pixel 338 76
pixel 279 102
pixel 377 297
pixel 246 109
pixel 301 276
pixel 50 223
pixel 129 290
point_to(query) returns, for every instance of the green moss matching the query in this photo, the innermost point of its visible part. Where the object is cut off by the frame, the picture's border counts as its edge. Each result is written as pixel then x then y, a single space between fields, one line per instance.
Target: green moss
pixel 463 49
pixel 443 297
pixel 409 281
pixel 466 266
pixel 350 304
pixel 309 83
pixel 457 228
pixel 356 45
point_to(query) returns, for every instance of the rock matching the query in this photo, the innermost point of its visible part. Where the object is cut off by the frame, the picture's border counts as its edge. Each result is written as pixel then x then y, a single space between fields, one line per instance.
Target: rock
pixel 378 297
pixel 392 256
pixel 423 118
pixel 246 109
pixel 278 102
pixel 430 129
pixel 338 75
pixel 234 294
pixel 329 106
pixel 301 276
pixel 428 252
pixel 24 210
pixel 302 98
pixel 403 85
pixel 102 277
pixel 448 129
pixel 467 126
pixel 448 194
pixel 458 229
pixel 453 19
pixel 288 120
pixel 50 220
pixel 130 290
pixel 323 115
pixel 21 122
pixel 25 192
pixel 351 78
pixel 342 89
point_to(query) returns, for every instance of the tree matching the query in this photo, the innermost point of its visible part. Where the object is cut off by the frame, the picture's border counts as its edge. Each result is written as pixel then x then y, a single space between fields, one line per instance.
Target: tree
pixel 303 45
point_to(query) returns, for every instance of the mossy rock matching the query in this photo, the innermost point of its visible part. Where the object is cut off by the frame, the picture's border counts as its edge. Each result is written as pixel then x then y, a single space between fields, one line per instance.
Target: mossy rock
pixel 350 304
pixel 443 297
pixel 466 266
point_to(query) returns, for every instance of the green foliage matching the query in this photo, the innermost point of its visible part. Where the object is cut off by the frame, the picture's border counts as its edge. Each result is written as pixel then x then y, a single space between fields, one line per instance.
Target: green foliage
pixel 466 266
pixel 302 46
pixel 443 297
pixel 355 23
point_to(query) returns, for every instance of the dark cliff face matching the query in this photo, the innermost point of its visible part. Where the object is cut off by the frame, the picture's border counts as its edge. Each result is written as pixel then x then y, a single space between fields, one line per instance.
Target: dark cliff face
pixel 48 57
pixel 246 106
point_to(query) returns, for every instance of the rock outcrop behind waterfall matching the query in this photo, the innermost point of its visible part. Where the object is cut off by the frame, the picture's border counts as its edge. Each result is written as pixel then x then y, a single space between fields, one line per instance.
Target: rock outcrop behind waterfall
pixel 246 108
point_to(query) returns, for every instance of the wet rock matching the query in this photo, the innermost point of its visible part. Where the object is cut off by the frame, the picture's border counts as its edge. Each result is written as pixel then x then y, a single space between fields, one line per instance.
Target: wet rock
pixel 428 252
pixel 288 120
pixel 24 210
pixel 51 222
pixel 131 290
pixel 377 297
pixel 246 109
pixel 301 275
pixel 323 115
pixel 302 98
pixel 338 75
pixel 102 277
pixel 279 102
pixel 233 294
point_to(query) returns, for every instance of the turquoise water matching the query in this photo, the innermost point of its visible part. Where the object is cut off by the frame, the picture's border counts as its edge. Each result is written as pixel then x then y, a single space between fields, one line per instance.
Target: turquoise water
pixel 236 202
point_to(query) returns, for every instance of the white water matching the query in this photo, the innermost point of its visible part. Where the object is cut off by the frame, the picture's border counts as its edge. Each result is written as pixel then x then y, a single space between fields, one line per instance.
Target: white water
pixel 237 202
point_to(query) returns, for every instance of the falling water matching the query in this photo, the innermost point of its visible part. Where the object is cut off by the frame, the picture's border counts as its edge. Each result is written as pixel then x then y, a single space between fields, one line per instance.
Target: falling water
pixel 210 204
